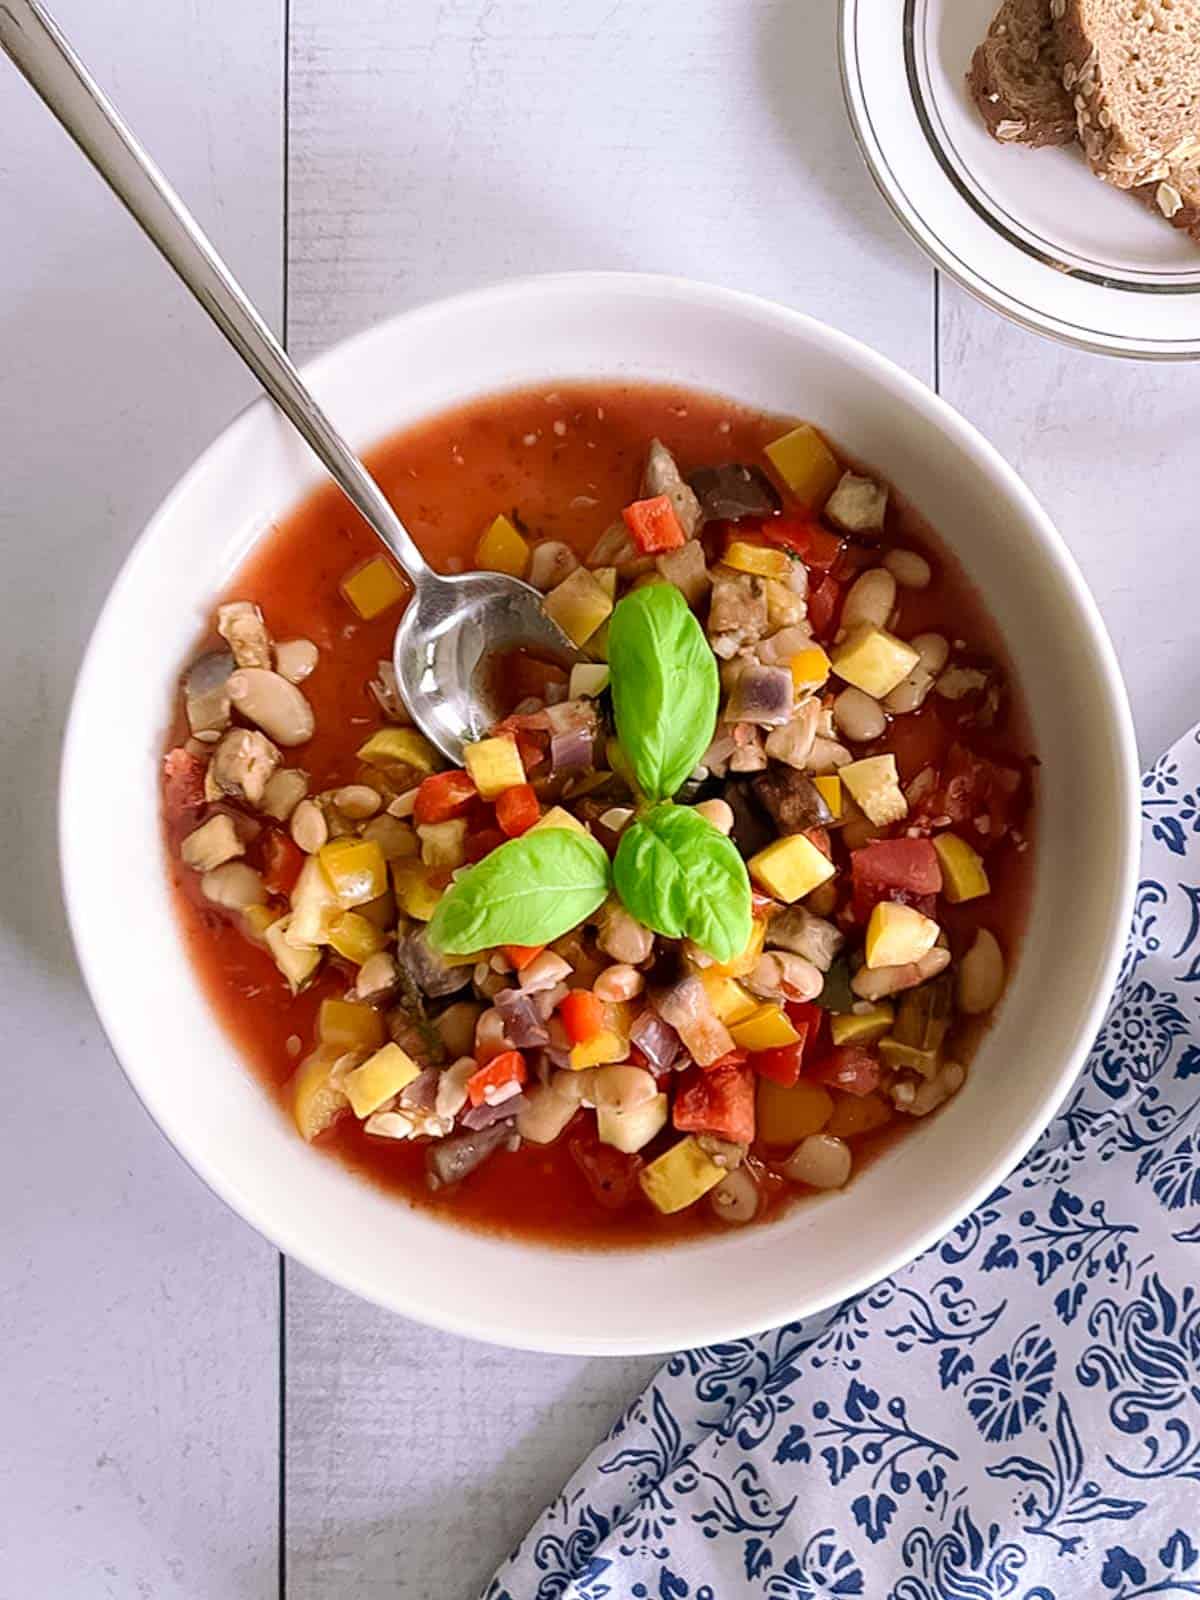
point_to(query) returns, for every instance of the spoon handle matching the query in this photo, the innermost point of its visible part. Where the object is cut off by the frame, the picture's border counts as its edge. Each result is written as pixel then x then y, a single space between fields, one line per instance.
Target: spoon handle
pixel 33 41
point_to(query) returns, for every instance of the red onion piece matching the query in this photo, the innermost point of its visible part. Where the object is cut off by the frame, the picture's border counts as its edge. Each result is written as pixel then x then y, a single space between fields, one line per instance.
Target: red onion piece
pixel 571 751
pixel 485 1116
pixel 524 1027
pixel 656 1039
pixel 421 1093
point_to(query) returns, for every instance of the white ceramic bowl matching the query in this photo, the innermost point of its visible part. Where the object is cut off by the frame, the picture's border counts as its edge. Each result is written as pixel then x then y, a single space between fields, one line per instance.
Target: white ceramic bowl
pixel 215 1112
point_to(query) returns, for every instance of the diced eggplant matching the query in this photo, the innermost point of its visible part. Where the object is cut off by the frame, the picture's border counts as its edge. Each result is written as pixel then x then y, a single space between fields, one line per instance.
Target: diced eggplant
pixel 752 830
pixel 813 938
pixel 687 569
pixel 451 1160
pixel 738 613
pixel 662 476
pixel 429 970
pixel 792 799
pixel 656 1039
pixel 762 695
pixel 485 1116
pixel 240 623
pixel 837 995
pixel 243 764
pixel 857 505
pixel 733 491
pixel 689 1011
pixel 793 743
pixel 206 693
pixel 523 1023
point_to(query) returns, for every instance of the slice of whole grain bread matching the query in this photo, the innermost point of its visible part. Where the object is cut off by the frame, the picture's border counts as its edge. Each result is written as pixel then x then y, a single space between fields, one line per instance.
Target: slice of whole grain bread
pixel 1133 68
pixel 1176 197
pixel 1016 77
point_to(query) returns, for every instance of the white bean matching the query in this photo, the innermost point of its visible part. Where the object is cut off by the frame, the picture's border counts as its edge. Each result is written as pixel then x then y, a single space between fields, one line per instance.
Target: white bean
pixel 273 704
pixel 981 975
pixel 574 1086
pixel 544 1115
pixel 859 717
pixel 308 827
pixel 934 651
pixel 621 1088
pixel 909 569
pixel 456 1026
pixel 452 1087
pixel 918 1100
pixel 234 886
pixel 376 976
pixel 283 793
pixel 876 983
pixel 490 1037
pixel 719 813
pixel 779 974
pixel 357 801
pixel 543 972
pixel 295 659
pixel 736 1198
pixel 869 600
pixel 618 983
pixel 821 1161
pixel 550 563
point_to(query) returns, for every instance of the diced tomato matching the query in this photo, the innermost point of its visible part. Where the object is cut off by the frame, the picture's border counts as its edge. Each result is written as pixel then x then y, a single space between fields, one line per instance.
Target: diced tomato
pixel 517 809
pixel 917 741
pixel 731 1058
pixel 719 1101
pixel 531 749
pixel 282 861
pixel 815 545
pixel 654 525
pixel 971 788
pixel 501 1070
pixel 611 1175
pixel 906 871
pixel 820 837
pixel 482 843
pixel 527 678
pixel 522 954
pixel 824 603
pixel 847 1067
pixel 442 796
pixel 582 1014
pixel 183 785
pixel 783 1064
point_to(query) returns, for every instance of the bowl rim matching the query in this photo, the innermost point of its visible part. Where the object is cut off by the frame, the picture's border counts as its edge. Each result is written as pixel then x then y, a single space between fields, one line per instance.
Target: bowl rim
pixel 287 1235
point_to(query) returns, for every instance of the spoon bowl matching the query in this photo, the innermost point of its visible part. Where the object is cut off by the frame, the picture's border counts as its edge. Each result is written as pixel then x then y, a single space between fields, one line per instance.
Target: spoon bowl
pixel 451 646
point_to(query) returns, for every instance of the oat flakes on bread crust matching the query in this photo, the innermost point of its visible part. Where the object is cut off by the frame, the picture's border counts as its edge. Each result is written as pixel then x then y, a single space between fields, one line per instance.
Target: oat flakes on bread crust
pixel 1016 78
pixel 1133 68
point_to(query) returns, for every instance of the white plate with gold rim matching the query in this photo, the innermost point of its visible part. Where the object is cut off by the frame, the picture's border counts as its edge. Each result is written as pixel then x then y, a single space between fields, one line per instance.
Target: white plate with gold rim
pixel 1031 232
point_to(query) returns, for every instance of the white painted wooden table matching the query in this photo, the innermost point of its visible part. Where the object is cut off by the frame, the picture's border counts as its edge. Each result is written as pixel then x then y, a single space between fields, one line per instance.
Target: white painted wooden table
pixel 180 1414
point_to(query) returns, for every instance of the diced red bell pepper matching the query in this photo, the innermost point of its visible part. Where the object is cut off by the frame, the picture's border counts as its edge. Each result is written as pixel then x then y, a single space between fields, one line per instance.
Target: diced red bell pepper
pixel 783 1064
pixel 442 796
pixel 282 860
pixel 583 1015
pixel 847 1067
pixel 906 871
pixel 501 1070
pixel 824 603
pixel 654 525
pixel 611 1175
pixel 183 786
pixel 815 545
pixel 522 954
pixel 517 809
pixel 483 842
pixel 531 749
pixel 719 1101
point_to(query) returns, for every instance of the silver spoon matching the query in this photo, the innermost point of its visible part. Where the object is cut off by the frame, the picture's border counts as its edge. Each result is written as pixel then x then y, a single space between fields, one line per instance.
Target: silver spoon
pixel 453 628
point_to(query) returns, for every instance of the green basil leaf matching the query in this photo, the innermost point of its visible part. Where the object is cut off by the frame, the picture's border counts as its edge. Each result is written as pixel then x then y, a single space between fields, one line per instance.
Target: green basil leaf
pixel 528 891
pixel 678 875
pixel 665 689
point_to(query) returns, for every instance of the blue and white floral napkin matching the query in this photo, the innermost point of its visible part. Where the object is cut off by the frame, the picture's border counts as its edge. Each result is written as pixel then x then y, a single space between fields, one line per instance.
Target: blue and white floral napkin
pixel 1015 1414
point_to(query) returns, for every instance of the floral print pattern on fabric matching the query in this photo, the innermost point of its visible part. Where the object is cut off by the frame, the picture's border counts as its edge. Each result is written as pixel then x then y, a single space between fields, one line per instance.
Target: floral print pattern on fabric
pixel 1016 1414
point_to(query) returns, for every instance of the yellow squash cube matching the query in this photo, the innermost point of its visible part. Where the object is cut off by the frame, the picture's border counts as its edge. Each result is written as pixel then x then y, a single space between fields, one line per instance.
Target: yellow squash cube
pixel 502 549
pixel 558 817
pixel 381 1076
pixel 355 869
pixel 728 999
pixel 606 577
pixel 861 1027
pixel 760 559
pixel 784 1116
pixel 607 1045
pixel 630 1131
pixel 806 464
pixel 315 908
pixel 856 1114
pixel 747 959
pixel 680 1177
pixel 766 1028
pixel 297 964
pixel 597 645
pixel 829 787
pixel 896 1054
pixel 964 876
pixel 373 587
pixel 346 1025
pixel 790 868
pixel 494 765
pixel 589 679
pixel 443 844
pixel 898 935
pixel 874 784
pixel 416 893
pixel 400 747
pixel 874 660
pixel 810 667
pixel 317 1101
pixel 353 937
pixel 256 920
pixel 579 605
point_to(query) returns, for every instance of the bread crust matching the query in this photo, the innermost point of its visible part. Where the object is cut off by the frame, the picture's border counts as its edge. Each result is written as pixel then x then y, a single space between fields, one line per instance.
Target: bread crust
pixel 1015 78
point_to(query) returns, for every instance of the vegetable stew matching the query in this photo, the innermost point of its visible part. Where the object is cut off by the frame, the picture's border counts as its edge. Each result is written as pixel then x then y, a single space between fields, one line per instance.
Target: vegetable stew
pixel 698 926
